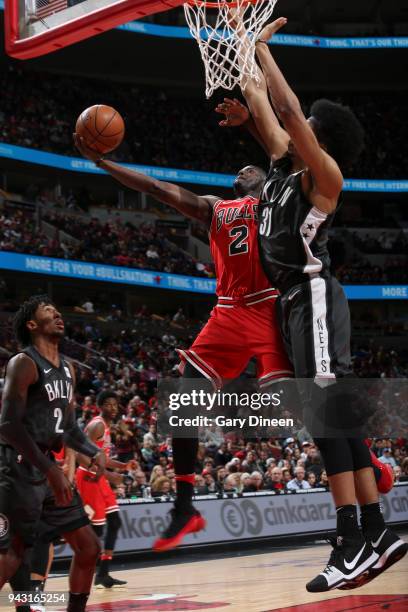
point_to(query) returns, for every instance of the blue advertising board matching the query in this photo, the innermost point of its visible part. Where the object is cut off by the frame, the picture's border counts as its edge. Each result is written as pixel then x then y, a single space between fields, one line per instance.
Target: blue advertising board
pixel 293 40
pixel 160 280
pixel 194 177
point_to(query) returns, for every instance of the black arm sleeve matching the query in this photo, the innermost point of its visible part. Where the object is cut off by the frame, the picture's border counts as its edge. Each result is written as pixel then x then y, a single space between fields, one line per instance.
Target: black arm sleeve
pixel 75 438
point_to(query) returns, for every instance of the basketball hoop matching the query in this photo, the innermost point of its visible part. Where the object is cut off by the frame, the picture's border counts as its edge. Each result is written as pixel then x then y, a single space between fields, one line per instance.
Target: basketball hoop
pixel 228 53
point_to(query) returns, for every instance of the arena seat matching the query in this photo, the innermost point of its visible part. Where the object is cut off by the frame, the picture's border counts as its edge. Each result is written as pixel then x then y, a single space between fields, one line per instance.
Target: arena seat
pixel 394 11
pixel 340 11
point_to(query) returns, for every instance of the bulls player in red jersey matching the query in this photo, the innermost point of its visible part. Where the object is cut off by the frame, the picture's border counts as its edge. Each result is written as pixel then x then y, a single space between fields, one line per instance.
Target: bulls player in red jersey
pixel 242 324
pixel 97 495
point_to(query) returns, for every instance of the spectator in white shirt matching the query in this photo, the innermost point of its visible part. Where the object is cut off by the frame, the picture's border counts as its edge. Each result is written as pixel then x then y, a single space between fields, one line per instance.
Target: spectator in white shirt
pixel 298 482
pixel 397 473
pixel 88 306
pixel 387 458
pixel 152 253
pixel 213 436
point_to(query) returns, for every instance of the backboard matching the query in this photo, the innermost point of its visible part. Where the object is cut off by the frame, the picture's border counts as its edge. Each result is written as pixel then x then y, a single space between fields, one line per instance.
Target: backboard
pixel 37 27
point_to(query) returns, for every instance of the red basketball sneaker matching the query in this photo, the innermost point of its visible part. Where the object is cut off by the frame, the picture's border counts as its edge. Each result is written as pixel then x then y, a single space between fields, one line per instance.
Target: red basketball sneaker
pixel 383 473
pixel 181 524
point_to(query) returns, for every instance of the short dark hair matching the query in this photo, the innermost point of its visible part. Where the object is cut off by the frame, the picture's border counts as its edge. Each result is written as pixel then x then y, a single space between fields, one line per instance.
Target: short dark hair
pixel 338 128
pixel 103 396
pixel 24 314
pixel 261 171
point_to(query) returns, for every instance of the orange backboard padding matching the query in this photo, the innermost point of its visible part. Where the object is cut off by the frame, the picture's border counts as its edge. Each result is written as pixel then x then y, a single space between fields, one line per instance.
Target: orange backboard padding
pixel 78 29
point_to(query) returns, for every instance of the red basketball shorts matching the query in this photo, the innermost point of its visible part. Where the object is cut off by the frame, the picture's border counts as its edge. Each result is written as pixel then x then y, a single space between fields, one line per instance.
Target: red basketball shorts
pixel 236 331
pixel 97 496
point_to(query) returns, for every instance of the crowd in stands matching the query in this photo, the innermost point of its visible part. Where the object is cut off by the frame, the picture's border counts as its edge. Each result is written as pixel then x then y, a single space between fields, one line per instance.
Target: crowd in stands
pixel 379 362
pixel 111 242
pixel 363 272
pixel 39 110
pixel 391 268
pixel 385 243
pixel 144 247
pixel 130 364
pixel 370 324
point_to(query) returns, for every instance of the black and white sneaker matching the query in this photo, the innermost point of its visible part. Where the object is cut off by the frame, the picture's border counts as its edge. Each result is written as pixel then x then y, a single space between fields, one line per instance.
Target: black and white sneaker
pixel 349 559
pixel 108 582
pixel 118 584
pixel 390 549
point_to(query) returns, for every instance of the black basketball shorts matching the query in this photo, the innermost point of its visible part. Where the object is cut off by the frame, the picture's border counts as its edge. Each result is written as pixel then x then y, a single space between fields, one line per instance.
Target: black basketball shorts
pixel 315 323
pixel 314 319
pixel 27 503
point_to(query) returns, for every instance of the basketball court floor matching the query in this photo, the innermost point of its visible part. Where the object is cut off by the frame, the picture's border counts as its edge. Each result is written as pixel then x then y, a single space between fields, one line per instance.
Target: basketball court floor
pixel 243 582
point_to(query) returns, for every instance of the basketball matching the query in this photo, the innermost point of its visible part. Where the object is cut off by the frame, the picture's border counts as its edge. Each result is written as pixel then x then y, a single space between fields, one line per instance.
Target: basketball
pixel 101 127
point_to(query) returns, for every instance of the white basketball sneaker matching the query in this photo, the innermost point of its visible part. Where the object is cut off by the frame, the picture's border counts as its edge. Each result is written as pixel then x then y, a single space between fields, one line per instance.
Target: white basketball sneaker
pixel 389 548
pixel 349 559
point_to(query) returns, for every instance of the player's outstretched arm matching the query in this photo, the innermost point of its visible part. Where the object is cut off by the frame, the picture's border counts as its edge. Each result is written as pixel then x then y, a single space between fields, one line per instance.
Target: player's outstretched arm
pixel 255 92
pixel 75 438
pixel 275 138
pixel 68 466
pixel 185 201
pixel 237 114
pixel 326 175
pixel 94 433
pixel 114 464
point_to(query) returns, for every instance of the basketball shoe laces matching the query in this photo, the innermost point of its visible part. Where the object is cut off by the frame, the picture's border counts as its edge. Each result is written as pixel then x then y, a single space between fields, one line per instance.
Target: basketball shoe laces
pixel 336 553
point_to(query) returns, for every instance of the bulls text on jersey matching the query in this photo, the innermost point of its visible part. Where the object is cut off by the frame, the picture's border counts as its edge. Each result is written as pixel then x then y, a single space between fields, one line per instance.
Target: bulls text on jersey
pixel 229 215
pixel 234 248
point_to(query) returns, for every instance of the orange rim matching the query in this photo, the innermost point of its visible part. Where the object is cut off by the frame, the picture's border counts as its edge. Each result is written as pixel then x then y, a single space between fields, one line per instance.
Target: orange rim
pixel 217 5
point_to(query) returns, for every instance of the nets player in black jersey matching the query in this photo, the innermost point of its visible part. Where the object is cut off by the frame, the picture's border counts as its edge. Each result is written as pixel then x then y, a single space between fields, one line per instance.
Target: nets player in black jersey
pixel 300 197
pixel 37 418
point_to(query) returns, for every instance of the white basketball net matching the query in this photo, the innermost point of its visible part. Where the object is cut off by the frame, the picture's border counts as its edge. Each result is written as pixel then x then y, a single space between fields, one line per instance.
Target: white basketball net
pixel 228 57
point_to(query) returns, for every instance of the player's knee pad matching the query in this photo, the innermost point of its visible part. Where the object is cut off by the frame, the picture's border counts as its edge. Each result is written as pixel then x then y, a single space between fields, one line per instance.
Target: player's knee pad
pixel 114 521
pixel 336 410
pixel 336 455
pixel 193 380
pixel 98 529
pixel 285 399
pixel 184 455
pixel 194 385
pixel 21 580
pixel 40 556
pixel 191 372
pixel 113 524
